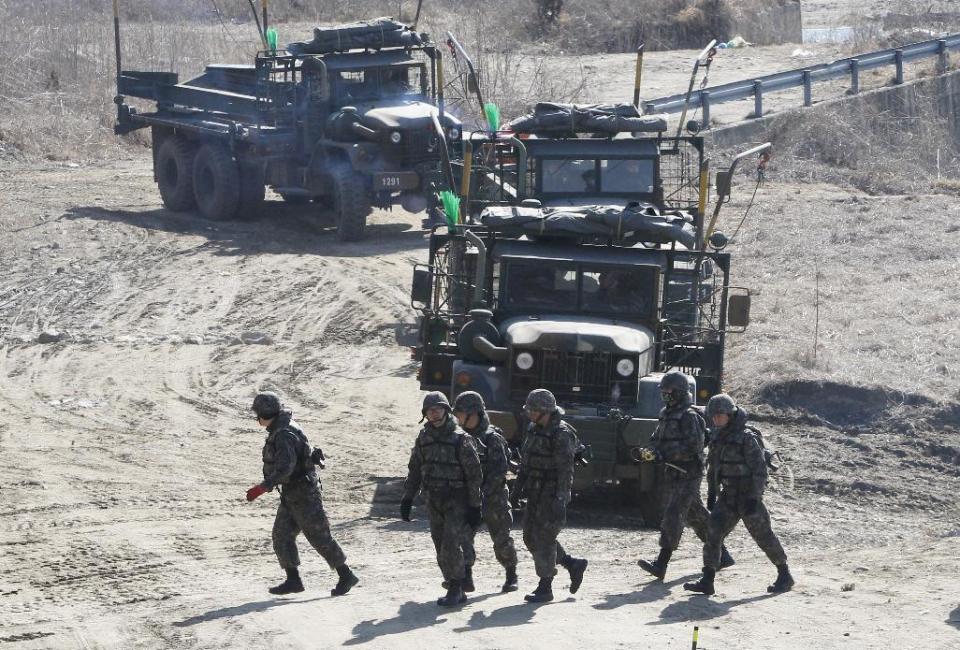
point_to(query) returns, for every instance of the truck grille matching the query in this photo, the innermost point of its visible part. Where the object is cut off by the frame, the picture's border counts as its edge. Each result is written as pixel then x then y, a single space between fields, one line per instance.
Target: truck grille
pixel 574 377
pixel 420 146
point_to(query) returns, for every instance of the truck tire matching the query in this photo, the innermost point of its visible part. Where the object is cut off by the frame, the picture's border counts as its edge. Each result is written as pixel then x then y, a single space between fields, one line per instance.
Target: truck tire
pixel 216 182
pixel 295 199
pixel 174 170
pixel 252 190
pixel 649 502
pixel 351 205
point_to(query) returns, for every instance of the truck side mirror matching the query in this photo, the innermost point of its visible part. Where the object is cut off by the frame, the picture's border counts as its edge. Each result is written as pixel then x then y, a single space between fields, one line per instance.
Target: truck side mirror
pixel 422 289
pixel 723 185
pixel 738 310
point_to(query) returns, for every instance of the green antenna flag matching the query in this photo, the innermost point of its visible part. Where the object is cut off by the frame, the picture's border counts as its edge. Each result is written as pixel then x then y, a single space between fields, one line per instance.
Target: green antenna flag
pixel 272 38
pixel 451 206
pixel 492 114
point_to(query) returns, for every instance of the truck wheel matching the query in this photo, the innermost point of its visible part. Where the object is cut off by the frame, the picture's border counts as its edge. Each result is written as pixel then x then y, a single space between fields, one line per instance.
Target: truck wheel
pixel 649 502
pixel 216 182
pixel 295 199
pixel 351 205
pixel 174 169
pixel 252 190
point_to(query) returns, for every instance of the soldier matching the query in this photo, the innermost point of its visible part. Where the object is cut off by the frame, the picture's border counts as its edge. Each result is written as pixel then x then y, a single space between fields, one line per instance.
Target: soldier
pixel 546 477
pixel 470 412
pixel 678 443
pixel 289 463
pixel 738 468
pixel 444 462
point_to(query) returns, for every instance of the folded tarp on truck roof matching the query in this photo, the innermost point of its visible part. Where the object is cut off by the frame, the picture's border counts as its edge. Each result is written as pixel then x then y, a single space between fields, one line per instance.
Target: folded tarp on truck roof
pixel 637 222
pixel 548 117
pixel 370 34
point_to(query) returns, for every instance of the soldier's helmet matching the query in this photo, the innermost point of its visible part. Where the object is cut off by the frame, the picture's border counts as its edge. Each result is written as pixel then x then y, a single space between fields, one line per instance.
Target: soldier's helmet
pixel 266 405
pixel 675 387
pixel 469 402
pixel 721 404
pixel 540 399
pixel 435 398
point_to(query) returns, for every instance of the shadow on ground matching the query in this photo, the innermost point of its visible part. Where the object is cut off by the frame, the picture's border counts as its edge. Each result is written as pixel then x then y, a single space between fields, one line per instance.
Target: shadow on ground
pixel 280 229
pixel 954 618
pixel 702 608
pixel 411 616
pixel 239 610
pixel 648 593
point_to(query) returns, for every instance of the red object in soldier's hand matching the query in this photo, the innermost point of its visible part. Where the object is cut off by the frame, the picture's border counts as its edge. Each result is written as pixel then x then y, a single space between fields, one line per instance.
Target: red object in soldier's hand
pixel 255 491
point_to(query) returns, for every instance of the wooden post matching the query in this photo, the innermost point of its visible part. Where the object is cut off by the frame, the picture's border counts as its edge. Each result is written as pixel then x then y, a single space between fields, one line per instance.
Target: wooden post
pixel 898 61
pixel 757 98
pixel 705 105
pixel 854 76
pixel 807 89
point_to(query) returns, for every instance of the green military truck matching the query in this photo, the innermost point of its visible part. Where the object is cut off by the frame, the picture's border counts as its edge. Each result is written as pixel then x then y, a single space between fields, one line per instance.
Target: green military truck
pixel 582 265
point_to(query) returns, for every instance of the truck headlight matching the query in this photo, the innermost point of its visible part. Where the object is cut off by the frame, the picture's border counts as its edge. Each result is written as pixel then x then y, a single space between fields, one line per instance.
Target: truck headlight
pixel 396 137
pixel 453 133
pixel 524 361
pixel 625 367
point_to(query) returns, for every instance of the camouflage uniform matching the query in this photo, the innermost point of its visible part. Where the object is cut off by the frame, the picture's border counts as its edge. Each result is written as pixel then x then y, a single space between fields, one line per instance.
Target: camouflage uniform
pixel 445 464
pixel 737 468
pixel 546 473
pixel 492 450
pixel 287 465
pixel 679 441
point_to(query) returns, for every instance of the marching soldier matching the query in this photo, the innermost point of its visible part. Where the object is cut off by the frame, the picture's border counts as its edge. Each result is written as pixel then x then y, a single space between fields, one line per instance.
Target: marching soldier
pixel 470 412
pixel 678 443
pixel 290 465
pixel 546 477
pixel 445 464
pixel 738 468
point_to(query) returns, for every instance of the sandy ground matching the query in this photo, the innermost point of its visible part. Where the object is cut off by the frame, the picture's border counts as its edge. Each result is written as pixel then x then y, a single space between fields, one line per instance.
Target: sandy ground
pixel 126 447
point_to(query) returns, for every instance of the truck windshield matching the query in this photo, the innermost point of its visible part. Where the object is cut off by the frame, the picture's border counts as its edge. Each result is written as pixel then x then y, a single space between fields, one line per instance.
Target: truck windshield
pixel 580 176
pixel 380 83
pixel 588 289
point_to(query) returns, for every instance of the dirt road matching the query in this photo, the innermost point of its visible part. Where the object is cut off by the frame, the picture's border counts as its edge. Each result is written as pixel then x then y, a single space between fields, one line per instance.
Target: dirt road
pixel 126 446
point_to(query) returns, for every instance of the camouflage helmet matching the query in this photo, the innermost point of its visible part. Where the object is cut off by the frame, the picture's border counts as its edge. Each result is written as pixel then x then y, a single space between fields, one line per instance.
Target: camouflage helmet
pixel 540 399
pixel 266 405
pixel 721 404
pixel 675 380
pixel 435 398
pixel 469 402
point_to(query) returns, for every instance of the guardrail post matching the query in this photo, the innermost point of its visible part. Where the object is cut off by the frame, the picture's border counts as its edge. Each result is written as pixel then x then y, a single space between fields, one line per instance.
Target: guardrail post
pixel 807 89
pixel 649 108
pixel 943 56
pixel 757 98
pixel 705 105
pixel 898 61
pixel 854 76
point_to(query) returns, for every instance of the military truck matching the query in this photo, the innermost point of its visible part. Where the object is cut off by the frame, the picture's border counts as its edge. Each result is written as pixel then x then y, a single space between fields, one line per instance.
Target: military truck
pixel 352 119
pixel 582 265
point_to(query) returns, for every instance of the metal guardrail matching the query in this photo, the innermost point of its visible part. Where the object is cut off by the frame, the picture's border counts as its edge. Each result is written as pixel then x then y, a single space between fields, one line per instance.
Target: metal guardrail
pixel 806 77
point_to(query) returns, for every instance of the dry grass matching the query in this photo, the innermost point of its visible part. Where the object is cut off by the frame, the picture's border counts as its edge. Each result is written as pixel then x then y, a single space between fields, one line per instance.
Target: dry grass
pixel 888 307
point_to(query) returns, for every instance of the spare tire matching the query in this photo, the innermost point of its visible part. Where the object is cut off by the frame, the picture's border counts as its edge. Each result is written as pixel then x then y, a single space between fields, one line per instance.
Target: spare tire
pixel 174 170
pixel 216 182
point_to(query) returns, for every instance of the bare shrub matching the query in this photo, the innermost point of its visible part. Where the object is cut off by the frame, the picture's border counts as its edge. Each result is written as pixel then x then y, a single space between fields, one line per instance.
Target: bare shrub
pixel 881 151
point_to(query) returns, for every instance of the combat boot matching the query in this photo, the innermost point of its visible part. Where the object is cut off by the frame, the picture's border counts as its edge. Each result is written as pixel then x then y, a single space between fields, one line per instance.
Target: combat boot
pixel 348 579
pixel 510 584
pixel 455 595
pixel 726 560
pixel 467 582
pixel 657 568
pixel 705 584
pixel 576 567
pixel 543 593
pixel 784 580
pixel 292 585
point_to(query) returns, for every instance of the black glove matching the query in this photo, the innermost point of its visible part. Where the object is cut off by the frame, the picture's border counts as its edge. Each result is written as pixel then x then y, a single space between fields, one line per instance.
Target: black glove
pixel 405 507
pixel 750 506
pixel 317 457
pixel 474 516
pixel 711 499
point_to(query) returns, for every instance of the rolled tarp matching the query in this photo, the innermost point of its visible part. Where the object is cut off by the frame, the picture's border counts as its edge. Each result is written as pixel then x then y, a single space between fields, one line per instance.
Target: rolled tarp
pixel 549 117
pixel 369 34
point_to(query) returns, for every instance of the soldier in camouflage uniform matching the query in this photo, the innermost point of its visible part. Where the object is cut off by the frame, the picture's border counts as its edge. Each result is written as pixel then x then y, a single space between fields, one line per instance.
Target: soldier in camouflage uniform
pixel 737 467
pixel 289 463
pixel 546 478
pixel 470 411
pixel 678 443
pixel 445 464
